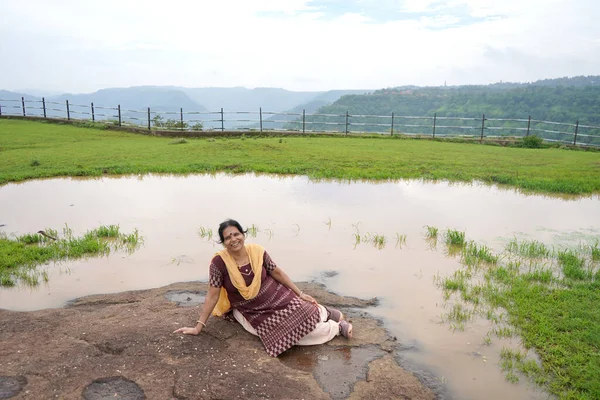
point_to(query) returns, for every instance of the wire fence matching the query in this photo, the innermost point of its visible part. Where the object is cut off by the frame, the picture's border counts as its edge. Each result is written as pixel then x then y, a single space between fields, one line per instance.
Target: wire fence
pixel 344 123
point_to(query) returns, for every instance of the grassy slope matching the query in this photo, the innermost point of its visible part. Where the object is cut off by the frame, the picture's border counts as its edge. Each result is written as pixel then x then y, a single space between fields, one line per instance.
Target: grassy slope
pixel 63 150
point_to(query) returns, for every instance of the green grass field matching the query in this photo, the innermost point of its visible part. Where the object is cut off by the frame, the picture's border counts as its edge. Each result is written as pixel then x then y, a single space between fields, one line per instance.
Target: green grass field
pixel 37 150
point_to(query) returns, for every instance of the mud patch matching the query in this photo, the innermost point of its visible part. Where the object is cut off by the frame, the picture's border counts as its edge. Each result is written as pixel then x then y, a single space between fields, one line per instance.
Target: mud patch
pixel 186 298
pixel 11 385
pixel 336 369
pixel 115 387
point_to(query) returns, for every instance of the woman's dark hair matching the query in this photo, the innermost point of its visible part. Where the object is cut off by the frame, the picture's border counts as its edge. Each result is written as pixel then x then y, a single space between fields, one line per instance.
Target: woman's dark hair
pixel 227 223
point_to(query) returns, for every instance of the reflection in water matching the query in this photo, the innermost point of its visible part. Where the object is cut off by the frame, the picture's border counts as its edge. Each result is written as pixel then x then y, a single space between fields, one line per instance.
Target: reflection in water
pixel 309 229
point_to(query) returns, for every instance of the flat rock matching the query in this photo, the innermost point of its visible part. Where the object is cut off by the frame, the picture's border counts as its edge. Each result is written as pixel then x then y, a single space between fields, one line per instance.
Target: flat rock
pixel 122 346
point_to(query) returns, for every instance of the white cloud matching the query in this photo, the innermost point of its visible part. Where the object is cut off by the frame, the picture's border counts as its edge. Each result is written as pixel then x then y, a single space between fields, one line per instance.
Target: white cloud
pixel 82 46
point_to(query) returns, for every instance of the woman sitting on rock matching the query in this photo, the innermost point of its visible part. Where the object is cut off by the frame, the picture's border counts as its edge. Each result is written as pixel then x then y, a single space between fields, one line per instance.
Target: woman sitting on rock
pixel 264 300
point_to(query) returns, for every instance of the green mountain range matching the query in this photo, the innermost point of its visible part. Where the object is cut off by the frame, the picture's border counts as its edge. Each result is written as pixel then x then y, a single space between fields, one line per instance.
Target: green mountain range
pixel 566 100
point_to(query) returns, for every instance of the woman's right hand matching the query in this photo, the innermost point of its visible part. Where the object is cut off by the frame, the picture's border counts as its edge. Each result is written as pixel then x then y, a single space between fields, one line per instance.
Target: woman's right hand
pixel 189 331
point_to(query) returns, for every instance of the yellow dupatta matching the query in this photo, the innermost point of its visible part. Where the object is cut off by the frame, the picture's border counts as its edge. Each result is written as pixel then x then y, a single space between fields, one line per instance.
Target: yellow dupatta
pixel 255 254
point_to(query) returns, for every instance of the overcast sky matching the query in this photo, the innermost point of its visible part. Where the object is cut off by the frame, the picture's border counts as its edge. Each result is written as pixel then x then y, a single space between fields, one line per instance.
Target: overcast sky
pixel 81 46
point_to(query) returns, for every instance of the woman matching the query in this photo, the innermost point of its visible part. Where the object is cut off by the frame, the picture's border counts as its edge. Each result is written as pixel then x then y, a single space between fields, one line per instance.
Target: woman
pixel 264 300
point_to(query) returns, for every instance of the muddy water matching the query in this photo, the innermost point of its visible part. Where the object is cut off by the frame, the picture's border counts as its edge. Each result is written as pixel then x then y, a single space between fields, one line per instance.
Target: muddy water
pixel 308 228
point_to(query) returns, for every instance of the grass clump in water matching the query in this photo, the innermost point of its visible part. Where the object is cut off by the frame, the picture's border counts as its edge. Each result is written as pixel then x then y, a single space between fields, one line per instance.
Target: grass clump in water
pixel 473 254
pixel 573 265
pixel 595 251
pixel 205 233
pixel 454 238
pixel 514 362
pixel 400 240
pixel 20 257
pixel 432 232
pixel 253 230
pixel 529 248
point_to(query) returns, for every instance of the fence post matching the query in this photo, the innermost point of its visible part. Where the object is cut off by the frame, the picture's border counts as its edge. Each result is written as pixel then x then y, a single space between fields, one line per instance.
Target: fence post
pixel 119 109
pixel 434 120
pixel 482 126
pixel 68 112
pixel 575 137
pixel 93 115
pixel 23 104
pixel 392 129
pixel 528 125
pixel 346 123
pixel 44 106
pixel 260 117
pixel 181 117
pixel 222 121
pixel 303 120
pixel 149 128
pixel 0 110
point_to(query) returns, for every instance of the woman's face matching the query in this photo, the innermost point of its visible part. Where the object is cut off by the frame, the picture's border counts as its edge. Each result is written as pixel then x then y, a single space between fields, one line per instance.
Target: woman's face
pixel 233 239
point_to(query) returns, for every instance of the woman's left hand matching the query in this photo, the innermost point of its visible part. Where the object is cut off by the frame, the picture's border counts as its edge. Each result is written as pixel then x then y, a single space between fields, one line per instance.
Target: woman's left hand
pixel 308 298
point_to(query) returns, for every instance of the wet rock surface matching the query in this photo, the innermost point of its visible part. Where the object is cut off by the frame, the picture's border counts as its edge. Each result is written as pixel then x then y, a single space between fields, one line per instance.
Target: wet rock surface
pixel 11 385
pixel 121 346
pixel 111 388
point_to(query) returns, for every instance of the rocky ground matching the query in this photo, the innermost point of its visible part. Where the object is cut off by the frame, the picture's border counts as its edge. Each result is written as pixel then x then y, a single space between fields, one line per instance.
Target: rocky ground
pixel 121 346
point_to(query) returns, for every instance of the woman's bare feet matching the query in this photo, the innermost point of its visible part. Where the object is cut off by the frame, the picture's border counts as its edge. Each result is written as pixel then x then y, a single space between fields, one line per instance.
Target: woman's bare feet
pixel 346 329
pixel 333 314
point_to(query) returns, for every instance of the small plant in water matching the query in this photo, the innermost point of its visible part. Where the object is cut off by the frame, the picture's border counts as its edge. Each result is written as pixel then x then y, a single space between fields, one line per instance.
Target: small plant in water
pixel 595 250
pixel 205 233
pixel 109 231
pixel 30 238
pixel 400 240
pixel 473 254
pixel 487 340
pixel 455 238
pixel 252 231
pixel 269 233
pixel 528 248
pixel 432 232
pixel 356 239
pixel 379 241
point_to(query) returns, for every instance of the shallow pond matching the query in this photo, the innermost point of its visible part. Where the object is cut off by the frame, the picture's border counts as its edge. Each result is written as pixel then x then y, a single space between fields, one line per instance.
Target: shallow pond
pixel 309 229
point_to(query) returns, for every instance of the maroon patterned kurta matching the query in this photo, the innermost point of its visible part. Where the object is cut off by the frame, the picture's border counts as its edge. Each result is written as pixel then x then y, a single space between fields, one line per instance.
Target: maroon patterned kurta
pixel 279 317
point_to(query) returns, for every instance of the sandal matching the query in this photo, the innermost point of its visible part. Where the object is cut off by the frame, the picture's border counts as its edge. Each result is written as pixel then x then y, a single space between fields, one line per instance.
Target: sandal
pixel 346 329
pixel 333 314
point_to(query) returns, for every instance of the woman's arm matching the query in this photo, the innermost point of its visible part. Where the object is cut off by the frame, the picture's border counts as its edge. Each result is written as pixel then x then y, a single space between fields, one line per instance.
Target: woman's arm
pixel 212 296
pixel 280 276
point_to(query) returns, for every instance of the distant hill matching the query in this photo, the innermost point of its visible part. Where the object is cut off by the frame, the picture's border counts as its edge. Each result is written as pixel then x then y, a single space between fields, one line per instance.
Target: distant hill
pixel 134 102
pixel 561 100
pixel 311 107
pixel 243 99
pixel 163 99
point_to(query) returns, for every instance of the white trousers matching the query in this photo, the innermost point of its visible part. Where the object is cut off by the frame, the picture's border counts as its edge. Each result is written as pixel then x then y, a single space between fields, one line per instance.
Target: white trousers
pixel 323 332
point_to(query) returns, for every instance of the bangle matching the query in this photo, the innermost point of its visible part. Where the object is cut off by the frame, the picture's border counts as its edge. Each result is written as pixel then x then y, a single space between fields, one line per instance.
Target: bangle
pixel 301 293
pixel 203 324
